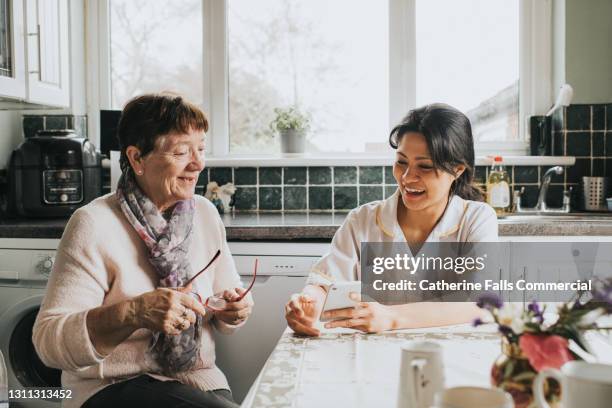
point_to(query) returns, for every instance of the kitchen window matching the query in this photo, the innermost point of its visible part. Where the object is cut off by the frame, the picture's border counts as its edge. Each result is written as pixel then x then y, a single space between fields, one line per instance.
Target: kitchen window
pixel 155 45
pixel 356 66
pixel 329 58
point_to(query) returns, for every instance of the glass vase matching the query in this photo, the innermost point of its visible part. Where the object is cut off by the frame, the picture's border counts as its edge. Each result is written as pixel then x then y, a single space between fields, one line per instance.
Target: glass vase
pixel 512 373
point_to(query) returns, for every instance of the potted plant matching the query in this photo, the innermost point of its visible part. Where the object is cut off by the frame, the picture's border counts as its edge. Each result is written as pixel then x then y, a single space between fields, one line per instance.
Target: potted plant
pixel 292 125
pixel 530 343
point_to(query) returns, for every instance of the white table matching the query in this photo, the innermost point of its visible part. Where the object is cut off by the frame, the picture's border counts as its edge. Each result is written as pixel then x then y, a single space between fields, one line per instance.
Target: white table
pixel 350 369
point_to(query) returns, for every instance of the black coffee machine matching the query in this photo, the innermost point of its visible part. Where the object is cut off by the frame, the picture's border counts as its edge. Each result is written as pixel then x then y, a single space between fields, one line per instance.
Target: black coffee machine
pixel 53 173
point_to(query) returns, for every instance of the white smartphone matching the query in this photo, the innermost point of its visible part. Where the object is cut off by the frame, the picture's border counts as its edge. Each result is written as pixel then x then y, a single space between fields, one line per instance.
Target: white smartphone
pixel 338 296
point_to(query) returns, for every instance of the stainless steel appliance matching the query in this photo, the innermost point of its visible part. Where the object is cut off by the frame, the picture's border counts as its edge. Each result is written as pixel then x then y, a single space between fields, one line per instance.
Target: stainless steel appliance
pixel 52 174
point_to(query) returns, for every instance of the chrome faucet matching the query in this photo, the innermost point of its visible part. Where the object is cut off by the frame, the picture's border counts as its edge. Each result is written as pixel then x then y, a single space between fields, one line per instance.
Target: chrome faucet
pixel 541 207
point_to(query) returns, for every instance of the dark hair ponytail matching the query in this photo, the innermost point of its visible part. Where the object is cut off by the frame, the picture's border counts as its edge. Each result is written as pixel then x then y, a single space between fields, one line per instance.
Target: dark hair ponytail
pixel 448 133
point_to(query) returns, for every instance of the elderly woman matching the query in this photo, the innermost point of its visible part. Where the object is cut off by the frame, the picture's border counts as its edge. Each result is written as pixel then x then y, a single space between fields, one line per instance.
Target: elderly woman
pixel 116 317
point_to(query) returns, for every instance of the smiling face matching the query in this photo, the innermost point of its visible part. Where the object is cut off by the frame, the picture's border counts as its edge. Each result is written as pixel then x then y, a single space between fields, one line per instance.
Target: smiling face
pixel 420 184
pixel 169 173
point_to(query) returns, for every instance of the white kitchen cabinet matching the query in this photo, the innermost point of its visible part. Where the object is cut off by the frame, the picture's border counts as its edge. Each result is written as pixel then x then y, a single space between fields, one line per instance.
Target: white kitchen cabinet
pixel 12 45
pixel 47 49
pixel 34 47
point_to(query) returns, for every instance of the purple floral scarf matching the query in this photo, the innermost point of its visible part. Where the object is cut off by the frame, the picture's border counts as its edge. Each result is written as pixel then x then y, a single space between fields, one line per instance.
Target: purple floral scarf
pixel 168 242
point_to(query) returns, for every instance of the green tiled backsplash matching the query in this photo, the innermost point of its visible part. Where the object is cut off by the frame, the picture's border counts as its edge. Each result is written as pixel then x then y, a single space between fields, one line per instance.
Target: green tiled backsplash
pixel 324 189
pixel 302 188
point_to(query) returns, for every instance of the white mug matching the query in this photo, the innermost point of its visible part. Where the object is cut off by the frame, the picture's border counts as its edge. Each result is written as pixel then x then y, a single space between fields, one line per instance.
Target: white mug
pixel 421 374
pixel 582 385
pixel 473 397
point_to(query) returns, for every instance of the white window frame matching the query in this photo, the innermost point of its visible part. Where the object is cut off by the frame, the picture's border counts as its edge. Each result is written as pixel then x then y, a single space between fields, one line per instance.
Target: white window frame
pixel 535 73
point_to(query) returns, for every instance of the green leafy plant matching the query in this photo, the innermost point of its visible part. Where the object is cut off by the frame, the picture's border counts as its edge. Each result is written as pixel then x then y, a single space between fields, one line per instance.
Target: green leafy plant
pixel 290 118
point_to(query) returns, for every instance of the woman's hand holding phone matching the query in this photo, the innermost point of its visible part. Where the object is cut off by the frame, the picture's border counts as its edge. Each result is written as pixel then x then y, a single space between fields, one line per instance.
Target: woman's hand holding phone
pixel 368 317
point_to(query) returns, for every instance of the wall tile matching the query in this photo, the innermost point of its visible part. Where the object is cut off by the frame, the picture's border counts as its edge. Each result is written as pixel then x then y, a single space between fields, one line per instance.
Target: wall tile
pixel 245 176
pixel 578 144
pixel 599 117
pixel 389 190
pixel 526 174
pixel 246 198
pixel 345 175
pixel 221 175
pixel 294 175
pixel 370 193
pixel 320 198
pixel 598 168
pixel 582 167
pixel 554 198
pixel 203 178
pixel 294 198
pixel 529 198
pixel 389 179
pixel 558 147
pixel 608 167
pixel 270 198
pixel 578 117
pixel 370 175
pixel 608 139
pixel 345 198
pixel 598 144
pixel 319 175
pixel 270 175
pixel 609 116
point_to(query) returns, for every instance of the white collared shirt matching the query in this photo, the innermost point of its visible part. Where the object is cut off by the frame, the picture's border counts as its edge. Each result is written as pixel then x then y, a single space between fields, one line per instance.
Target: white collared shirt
pixel 462 221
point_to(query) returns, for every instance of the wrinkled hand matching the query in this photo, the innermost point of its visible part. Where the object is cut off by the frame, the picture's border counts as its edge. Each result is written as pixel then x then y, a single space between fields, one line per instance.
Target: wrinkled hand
pixel 301 312
pixel 236 311
pixel 368 317
pixel 166 310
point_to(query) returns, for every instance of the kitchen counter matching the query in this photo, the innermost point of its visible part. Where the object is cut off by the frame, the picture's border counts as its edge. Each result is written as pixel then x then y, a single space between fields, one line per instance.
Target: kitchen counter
pixel 344 368
pixel 322 226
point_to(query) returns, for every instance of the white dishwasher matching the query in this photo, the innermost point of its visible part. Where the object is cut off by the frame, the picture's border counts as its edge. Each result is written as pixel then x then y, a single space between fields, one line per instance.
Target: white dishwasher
pixel 282 270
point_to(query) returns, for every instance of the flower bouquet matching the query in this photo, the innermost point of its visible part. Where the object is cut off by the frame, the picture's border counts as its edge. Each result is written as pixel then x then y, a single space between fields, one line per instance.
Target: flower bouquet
pixel 531 343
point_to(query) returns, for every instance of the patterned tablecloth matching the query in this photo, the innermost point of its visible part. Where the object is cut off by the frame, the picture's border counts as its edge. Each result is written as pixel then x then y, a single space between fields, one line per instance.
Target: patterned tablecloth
pixel 349 369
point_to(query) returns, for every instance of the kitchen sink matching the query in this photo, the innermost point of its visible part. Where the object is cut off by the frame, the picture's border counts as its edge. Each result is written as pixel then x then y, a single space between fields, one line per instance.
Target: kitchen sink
pixel 552 217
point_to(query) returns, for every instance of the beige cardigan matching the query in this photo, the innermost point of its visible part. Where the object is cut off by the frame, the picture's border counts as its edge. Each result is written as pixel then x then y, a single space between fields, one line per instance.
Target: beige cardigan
pixel 101 261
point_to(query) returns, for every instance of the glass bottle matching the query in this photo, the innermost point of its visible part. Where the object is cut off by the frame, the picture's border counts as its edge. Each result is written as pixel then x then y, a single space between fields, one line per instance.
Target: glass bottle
pixel 498 187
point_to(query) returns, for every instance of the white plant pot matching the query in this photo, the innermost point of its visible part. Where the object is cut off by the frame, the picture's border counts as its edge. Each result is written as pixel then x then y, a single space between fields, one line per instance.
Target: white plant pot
pixel 293 141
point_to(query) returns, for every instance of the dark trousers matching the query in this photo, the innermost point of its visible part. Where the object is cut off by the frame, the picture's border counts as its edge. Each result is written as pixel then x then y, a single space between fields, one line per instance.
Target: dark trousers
pixel 145 391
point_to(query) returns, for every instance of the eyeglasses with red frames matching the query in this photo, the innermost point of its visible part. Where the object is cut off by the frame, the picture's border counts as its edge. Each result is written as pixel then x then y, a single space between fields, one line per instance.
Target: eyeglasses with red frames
pixel 217 303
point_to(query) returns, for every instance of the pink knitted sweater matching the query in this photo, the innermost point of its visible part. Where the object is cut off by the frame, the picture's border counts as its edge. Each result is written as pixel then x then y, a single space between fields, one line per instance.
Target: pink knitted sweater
pixel 102 261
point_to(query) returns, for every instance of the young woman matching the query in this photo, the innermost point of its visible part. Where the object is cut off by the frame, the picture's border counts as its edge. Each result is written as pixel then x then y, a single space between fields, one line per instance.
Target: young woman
pixel 435 202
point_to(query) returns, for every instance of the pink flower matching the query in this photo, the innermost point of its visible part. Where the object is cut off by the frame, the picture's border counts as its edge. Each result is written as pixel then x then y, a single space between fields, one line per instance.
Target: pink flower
pixel 545 351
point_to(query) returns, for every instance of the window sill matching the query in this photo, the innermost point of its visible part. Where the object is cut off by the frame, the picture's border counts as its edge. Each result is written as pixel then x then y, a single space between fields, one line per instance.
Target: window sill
pixel 309 160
